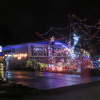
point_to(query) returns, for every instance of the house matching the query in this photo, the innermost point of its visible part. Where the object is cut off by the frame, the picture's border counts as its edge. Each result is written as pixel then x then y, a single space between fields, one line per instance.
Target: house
pixel 16 56
pixel 49 52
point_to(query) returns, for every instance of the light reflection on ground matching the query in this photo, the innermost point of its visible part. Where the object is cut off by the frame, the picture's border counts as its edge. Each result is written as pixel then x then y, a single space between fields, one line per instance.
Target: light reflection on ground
pixel 45 80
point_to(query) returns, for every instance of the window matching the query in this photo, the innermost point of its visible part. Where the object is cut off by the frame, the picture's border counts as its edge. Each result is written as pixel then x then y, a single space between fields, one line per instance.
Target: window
pixel 38 51
pixel 45 51
pixel 49 51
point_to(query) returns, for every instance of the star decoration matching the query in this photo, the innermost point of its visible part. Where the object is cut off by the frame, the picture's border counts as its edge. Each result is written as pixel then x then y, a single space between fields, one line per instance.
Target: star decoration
pixel 52 39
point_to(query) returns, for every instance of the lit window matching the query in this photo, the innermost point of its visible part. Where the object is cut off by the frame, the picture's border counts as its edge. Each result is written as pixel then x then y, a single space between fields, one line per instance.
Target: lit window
pixel 38 51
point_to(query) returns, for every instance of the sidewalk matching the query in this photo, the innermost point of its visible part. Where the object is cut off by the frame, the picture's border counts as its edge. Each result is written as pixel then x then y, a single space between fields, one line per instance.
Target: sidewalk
pixel 92 93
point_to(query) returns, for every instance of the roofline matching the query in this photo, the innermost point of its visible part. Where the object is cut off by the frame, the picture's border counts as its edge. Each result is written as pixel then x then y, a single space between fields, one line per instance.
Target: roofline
pixel 25 43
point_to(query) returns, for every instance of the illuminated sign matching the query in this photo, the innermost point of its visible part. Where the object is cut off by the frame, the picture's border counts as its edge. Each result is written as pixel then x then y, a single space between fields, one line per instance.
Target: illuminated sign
pixel 19 56
pixel 0 48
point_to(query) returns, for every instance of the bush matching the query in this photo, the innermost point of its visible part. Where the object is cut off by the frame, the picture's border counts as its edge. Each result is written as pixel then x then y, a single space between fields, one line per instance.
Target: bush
pixel 29 63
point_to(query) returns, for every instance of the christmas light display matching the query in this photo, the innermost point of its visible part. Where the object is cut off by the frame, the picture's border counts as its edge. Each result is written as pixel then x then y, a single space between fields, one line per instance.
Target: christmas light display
pixel 74 60
pixel 52 39
pixel 76 38
pixel 99 62
pixel 95 62
pixel 56 29
pixel 14 46
pixel 76 17
pixel 95 35
pixel 72 24
pixel 69 60
pixel 58 57
pixel 86 25
pixel 91 37
pixel 19 56
pixel 41 36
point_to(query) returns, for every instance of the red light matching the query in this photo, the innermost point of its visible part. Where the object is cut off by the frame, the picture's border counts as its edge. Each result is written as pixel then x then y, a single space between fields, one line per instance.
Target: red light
pixel 99 59
pixel 23 55
pixel 16 55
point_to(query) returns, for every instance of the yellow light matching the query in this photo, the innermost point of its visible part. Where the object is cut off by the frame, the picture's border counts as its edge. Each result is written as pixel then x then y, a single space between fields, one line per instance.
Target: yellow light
pixel 26 54
pixel 15 55
pixel 52 39
pixel 19 57
pixel 6 55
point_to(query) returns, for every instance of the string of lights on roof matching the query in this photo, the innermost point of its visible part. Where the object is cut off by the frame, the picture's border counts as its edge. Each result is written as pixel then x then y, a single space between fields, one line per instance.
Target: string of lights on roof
pixel 76 17
pixel 14 46
pixel 95 35
pixel 84 32
pixel 56 29
pixel 86 25
pixel 87 28
pixel 41 36
pixel 71 34
pixel 65 37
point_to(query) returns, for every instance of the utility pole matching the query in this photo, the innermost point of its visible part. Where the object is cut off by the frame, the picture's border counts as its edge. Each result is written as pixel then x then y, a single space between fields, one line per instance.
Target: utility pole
pixel 70 34
pixel 70 38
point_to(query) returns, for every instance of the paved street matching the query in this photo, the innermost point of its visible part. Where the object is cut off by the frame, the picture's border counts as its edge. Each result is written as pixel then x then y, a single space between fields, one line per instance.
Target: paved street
pixel 45 80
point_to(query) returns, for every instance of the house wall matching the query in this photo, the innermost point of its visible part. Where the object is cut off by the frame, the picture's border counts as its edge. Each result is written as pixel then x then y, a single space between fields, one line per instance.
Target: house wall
pixel 14 61
pixel 1 59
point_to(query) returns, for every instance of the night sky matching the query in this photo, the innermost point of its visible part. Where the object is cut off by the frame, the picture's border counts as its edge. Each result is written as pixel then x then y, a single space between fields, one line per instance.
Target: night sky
pixel 21 19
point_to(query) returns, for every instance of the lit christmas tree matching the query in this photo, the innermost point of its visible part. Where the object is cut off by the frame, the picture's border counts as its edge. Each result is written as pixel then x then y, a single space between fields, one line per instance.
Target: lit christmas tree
pixel 29 63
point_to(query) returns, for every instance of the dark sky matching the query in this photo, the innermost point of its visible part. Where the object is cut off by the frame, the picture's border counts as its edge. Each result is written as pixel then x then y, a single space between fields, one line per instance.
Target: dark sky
pixel 22 18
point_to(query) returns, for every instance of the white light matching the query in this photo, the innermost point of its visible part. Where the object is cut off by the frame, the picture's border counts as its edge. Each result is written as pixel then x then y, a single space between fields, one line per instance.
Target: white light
pixel 9 55
pixel 76 38
pixel 58 43
pixel 0 48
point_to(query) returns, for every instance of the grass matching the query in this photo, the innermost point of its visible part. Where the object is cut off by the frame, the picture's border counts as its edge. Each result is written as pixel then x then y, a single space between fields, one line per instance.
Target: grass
pixel 11 90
